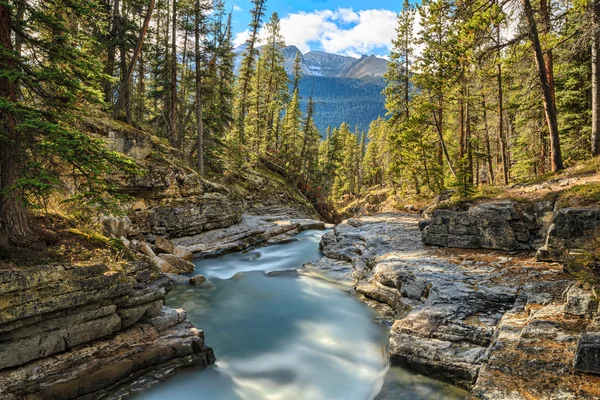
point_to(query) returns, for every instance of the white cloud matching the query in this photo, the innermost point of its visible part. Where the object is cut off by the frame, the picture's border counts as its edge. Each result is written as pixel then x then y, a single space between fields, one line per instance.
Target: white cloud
pixel 373 29
pixel 341 31
pixel 237 8
pixel 241 38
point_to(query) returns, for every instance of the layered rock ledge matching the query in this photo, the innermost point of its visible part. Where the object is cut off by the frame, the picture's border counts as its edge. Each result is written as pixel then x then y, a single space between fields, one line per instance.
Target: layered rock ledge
pixel 555 233
pixel 502 325
pixel 279 226
pixel 71 332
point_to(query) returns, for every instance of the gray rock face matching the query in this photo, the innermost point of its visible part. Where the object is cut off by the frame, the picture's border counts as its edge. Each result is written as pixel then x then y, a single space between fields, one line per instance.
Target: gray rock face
pixel 115 227
pixel 572 229
pixel 179 263
pixel 497 325
pixel 70 331
pixel 253 230
pixel 496 226
pixel 587 358
pixel 580 302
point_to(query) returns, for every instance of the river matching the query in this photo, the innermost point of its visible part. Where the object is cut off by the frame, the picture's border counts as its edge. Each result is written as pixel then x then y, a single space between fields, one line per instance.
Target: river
pixel 287 336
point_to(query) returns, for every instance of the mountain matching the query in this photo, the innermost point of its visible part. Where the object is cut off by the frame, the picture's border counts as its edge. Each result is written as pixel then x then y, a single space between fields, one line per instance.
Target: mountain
pixel 320 63
pixel 345 89
pixel 351 100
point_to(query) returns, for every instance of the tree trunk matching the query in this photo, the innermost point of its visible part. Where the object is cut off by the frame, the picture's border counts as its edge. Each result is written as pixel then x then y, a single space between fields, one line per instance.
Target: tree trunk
pixel 488 147
pixel 19 18
pixel 439 120
pixel 112 50
pixel 13 212
pixel 547 89
pixel 136 54
pixel 596 80
pixel 199 116
pixel 469 147
pixel 174 138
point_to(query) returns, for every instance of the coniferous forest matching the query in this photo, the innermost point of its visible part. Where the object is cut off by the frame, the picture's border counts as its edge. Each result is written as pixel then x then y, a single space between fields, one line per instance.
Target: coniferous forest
pixel 191 209
pixel 482 93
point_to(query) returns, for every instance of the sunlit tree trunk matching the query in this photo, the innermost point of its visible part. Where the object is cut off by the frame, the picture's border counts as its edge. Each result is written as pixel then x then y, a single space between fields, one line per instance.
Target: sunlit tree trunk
pixel 13 212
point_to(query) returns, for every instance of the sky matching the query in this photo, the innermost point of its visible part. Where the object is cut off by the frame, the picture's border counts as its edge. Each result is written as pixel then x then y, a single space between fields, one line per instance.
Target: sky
pixel 345 27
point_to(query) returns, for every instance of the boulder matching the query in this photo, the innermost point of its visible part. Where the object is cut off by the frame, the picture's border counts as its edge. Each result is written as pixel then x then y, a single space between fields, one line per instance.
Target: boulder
pixel 162 245
pixel 580 302
pixel 183 252
pixel 587 357
pixel 145 248
pixel 497 226
pixel 180 264
pixel 197 280
pixel 115 226
pixel 572 230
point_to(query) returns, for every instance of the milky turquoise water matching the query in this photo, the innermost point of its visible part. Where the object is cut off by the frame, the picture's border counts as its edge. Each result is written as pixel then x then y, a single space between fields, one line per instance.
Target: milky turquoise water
pixel 286 336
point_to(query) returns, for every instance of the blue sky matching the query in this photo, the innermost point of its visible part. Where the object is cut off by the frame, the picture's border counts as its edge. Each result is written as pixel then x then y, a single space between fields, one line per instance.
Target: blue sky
pixel 347 27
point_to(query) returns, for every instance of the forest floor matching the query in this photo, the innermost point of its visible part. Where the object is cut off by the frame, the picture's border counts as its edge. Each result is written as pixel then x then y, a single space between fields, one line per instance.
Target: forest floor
pixel 578 186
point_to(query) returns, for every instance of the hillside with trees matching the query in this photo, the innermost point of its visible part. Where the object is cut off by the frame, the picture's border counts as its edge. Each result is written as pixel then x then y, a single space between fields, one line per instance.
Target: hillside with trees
pixel 484 94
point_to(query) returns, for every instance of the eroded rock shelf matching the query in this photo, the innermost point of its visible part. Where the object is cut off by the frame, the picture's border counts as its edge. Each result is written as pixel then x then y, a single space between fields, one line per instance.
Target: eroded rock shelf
pixel 501 324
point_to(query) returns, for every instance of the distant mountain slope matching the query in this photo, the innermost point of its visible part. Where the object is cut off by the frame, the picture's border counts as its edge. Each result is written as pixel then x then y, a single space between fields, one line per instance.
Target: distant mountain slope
pixel 355 101
pixel 346 89
pixel 319 63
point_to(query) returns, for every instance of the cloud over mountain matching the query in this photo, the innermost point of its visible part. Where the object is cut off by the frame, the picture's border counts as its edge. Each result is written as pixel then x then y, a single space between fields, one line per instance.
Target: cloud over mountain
pixel 341 31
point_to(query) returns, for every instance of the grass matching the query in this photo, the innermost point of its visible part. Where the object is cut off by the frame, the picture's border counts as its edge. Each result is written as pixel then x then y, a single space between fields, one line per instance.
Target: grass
pixel 74 241
pixel 585 265
pixel 587 195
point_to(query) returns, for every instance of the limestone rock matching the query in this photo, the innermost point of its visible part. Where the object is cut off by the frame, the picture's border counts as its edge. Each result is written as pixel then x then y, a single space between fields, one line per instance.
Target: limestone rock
pixel 115 226
pixel 572 229
pixel 580 302
pixel 487 226
pixel 252 231
pixel 587 357
pixel 71 332
pixel 180 264
pixel 184 252
pixel 197 280
pixel 145 248
pixel 163 245
pixel 485 322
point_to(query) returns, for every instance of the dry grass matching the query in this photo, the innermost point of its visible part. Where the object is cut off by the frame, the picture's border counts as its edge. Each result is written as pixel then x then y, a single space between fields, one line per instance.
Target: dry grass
pixel 65 239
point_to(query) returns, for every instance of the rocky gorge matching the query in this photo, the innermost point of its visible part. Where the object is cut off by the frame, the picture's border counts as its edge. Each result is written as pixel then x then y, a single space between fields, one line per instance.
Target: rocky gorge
pixel 101 331
pixel 475 295
pixel 497 322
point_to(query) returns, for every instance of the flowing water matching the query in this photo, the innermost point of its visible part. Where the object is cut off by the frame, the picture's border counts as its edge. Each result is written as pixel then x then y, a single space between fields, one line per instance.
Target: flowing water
pixel 287 336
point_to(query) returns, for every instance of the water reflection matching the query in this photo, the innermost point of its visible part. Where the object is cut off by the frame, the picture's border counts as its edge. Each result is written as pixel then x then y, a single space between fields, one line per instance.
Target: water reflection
pixel 286 337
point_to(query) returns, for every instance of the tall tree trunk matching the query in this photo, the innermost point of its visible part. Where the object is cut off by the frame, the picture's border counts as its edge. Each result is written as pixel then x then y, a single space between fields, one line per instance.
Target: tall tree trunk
pixel 548 62
pixel 141 91
pixel 468 138
pixel 407 84
pixel 112 50
pixel 125 82
pixel 439 124
pixel 488 147
pixel 547 88
pixel 12 200
pixel 596 79
pixel 501 135
pixel 19 18
pixel 199 116
pixel 174 138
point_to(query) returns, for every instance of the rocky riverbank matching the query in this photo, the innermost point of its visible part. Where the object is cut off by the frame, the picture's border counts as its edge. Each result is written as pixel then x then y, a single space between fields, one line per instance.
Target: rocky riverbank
pixel 71 332
pixel 501 324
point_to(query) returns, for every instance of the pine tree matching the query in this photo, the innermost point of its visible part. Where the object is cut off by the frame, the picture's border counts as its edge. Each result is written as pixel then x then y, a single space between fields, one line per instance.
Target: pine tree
pixel 247 67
